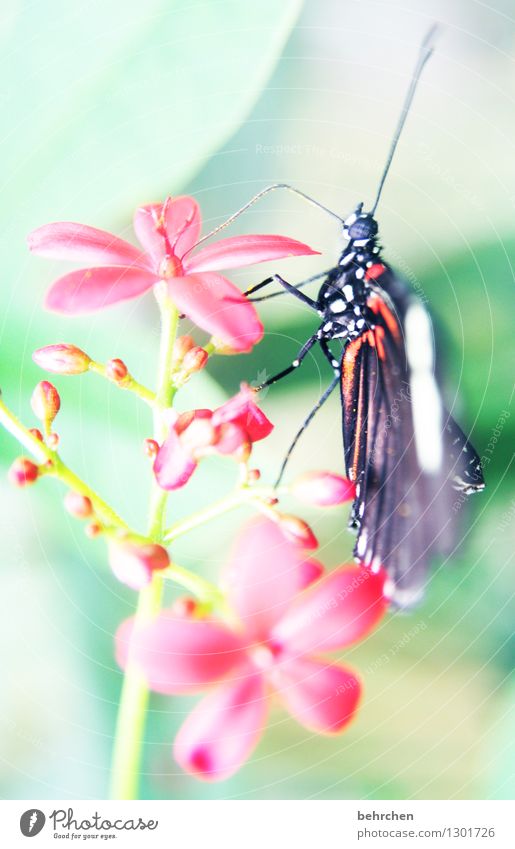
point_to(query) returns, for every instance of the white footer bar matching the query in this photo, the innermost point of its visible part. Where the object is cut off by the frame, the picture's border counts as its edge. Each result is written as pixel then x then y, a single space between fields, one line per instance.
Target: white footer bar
pixel 258 824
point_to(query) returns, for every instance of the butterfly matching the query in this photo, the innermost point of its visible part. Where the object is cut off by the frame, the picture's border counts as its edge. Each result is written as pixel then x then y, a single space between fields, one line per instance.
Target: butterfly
pixel 404 452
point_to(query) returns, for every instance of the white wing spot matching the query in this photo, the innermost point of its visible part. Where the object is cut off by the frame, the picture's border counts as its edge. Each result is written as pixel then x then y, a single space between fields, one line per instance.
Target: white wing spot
pixel 426 403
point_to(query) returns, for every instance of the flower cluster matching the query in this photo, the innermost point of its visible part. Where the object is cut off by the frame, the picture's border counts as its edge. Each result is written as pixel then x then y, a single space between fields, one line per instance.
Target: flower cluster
pixel 286 614
pixel 230 430
pixel 262 633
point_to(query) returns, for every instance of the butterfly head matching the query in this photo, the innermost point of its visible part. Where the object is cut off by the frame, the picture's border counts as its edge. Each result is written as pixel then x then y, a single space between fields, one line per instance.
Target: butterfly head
pixel 360 227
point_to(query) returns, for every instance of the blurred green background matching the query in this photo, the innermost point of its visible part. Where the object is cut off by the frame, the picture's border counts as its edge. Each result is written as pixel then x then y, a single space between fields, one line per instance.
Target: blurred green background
pixel 106 106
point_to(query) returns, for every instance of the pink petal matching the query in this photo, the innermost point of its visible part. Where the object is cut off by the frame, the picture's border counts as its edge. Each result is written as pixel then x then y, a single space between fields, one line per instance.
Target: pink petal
pixel 243 410
pixel 264 573
pixel 204 298
pixel 92 289
pixel 179 655
pixel 223 729
pixel 172 227
pixel 323 697
pixel 336 611
pixel 80 243
pixel 238 251
pixel 232 437
pixel 174 465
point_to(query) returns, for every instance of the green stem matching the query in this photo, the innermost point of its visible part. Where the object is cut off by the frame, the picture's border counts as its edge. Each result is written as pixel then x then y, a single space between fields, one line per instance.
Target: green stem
pixel 130 726
pixel 132 711
pixel 243 495
pixel 54 466
pixel 128 383
pixel 204 590
pixel 201 516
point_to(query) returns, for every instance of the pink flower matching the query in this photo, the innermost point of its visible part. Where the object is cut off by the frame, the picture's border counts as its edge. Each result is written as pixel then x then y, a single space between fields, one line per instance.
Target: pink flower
pixel 230 429
pixel 285 622
pixel 168 232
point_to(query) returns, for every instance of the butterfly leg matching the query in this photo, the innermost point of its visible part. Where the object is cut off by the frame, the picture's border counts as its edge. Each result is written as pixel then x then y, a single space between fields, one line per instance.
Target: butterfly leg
pixel 288 288
pixel 295 364
pixel 331 359
pixel 285 291
pixel 321 401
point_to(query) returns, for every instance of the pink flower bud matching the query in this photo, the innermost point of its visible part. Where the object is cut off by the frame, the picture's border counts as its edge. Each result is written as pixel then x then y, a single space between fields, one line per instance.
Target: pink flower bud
pixel 194 360
pixel 182 345
pixel 133 563
pixel 78 505
pixel 116 370
pixel 297 530
pixel 323 489
pixel 45 403
pixel 254 475
pixel 150 447
pixel 35 431
pixel 62 359
pixel 93 530
pixel 23 472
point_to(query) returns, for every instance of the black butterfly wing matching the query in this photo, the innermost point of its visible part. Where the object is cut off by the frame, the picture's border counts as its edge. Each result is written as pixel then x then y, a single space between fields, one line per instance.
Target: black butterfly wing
pixel 405 454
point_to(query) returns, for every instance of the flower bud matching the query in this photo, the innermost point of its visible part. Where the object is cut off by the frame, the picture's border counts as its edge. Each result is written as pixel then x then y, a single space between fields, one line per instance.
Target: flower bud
pixel 150 447
pixel 297 530
pixel 133 563
pixel 35 431
pixel 323 489
pixel 254 475
pixel 195 359
pixel 78 505
pixel 182 345
pixel 62 359
pixel 116 370
pixel 45 403
pixel 93 530
pixel 23 472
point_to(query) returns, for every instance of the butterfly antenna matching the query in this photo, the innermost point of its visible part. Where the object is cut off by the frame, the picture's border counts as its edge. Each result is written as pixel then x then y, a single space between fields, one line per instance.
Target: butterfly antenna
pixel 426 49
